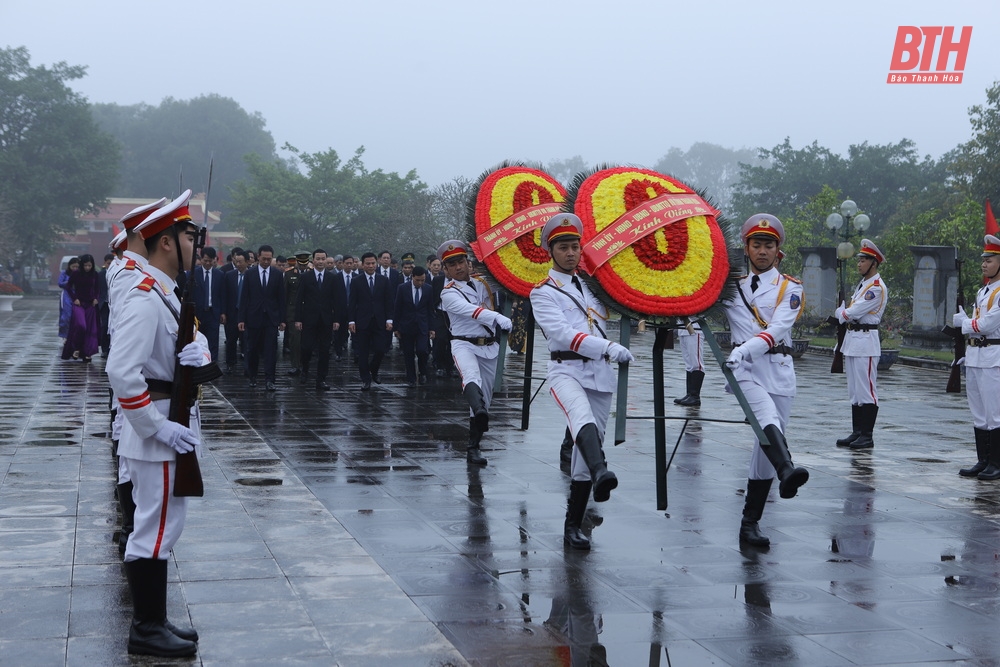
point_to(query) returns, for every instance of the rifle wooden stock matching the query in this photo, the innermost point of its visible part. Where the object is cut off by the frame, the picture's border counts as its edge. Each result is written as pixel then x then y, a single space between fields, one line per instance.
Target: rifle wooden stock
pixel 955 376
pixel 838 356
pixel 187 478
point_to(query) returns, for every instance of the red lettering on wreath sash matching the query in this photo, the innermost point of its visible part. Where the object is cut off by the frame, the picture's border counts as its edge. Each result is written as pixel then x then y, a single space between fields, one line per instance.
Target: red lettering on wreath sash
pixel 512 228
pixel 640 222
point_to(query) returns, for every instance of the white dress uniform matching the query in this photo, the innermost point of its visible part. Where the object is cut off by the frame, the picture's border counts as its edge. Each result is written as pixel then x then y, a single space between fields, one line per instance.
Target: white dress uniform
pixel 573 320
pixel 123 275
pixel 861 348
pixel 768 381
pixel 144 348
pixel 691 345
pixel 471 313
pixel 982 358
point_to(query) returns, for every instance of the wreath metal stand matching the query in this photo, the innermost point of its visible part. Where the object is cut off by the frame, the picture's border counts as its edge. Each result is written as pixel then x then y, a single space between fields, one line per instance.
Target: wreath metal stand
pixel 663 341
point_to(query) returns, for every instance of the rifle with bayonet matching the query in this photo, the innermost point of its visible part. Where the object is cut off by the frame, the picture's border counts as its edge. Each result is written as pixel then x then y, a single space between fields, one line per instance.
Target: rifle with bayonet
pixel 187 478
pixel 838 356
pixel 955 377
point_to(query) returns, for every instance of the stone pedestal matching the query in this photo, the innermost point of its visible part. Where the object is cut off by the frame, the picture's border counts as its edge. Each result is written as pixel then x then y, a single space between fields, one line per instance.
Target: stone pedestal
pixel 935 280
pixel 819 283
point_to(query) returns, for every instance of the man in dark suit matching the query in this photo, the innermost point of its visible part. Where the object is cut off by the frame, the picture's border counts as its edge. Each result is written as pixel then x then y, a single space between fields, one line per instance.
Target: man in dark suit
pixel 443 363
pixel 209 299
pixel 315 316
pixel 412 316
pixel 342 280
pixel 369 315
pixel 386 267
pixel 231 318
pixel 103 309
pixel 230 262
pixel 262 316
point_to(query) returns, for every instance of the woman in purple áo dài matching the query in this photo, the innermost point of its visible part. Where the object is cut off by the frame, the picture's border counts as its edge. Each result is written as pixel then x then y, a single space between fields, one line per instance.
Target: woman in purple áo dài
pixel 82 288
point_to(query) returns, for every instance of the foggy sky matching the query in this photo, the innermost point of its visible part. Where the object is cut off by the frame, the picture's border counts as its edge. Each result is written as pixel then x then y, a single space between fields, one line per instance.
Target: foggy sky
pixel 451 88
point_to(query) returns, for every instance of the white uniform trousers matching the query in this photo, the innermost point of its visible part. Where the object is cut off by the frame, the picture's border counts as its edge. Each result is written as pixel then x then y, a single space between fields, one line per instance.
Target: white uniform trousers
pixel 862 373
pixel 475 369
pixel 159 515
pixel 691 347
pixel 769 410
pixel 581 407
pixel 983 387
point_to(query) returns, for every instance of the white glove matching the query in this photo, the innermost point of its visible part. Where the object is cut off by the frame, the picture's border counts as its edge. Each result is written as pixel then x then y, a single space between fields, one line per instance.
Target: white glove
pixel 841 314
pixel 620 353
pixel 959 318
pixel 736 357
pixel 177 437
pixel 504 322
pixel 193 354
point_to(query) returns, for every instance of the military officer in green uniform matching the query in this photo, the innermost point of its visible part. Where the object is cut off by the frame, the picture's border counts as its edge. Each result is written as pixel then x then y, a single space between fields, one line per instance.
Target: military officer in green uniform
pixel 293 335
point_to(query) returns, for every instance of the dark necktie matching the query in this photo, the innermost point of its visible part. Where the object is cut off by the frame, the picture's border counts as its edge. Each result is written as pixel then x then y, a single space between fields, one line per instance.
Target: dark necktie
pixel 208 288
pixel 576 284
pixel 319 278
pixel 263 278
pixel 416 296
pixel 754 283
pixel 347 285
pixel 371 283
pixel 239 289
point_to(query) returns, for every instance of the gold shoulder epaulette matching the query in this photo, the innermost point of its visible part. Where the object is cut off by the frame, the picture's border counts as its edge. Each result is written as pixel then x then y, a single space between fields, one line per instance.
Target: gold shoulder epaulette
pixel 792 278
pixel 146 284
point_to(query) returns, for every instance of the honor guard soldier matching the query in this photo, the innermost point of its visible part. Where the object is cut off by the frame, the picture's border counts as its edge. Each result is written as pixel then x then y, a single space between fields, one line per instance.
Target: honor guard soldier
pixel 861 347
pixel 982 365
pixel 580 376
pixel 690 341
pixel 293 335
pixel 124 274
pixel 761 316
pixel 474 324
pixel 141 371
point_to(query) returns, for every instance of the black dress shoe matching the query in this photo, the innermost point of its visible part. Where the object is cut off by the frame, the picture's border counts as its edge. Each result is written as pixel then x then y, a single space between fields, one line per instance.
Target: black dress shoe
pixel 270 386
pixel 337 357
pixel 253 383
pixel 441 373
pixel 322 386
pixel 411 383
pixel 422 379
pixel 295 371
pixel 376 379
pixel 366 386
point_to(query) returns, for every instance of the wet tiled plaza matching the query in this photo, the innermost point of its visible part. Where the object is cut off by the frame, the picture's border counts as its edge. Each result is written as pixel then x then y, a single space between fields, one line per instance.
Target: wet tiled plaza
pixel 346 528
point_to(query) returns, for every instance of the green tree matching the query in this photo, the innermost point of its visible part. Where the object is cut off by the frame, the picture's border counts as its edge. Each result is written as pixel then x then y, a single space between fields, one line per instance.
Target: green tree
pixel 978 161
pixel 317 200
pixel 709 167
pixel 879 177
pixel 178 137
pixel 54 160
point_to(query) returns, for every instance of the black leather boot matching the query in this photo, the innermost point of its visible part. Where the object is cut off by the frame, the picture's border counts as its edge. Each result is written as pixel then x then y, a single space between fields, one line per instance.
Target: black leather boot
pixel 869 413
pixel 790 478
pixel 566 448
pixel 150 632
pixel 753 510
pixel 693 397
pixel 472 453
pixel 579 493
pixel 855 427
pixel 474 395
pixel 127 506
pixel 992 469
pixel 982 454
pixel 588 441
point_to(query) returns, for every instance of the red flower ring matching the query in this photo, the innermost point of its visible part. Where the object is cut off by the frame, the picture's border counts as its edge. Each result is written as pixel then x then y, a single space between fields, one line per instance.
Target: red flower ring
pixel 511 206
pixel 679 268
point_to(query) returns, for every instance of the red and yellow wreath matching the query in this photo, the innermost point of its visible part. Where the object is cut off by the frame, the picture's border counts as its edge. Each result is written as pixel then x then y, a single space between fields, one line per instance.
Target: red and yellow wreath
pixel 510 206
pixel 651 242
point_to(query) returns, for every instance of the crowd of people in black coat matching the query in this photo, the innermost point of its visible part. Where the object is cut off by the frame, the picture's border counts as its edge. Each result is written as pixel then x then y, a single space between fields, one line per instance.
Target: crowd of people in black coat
pixel 328 308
